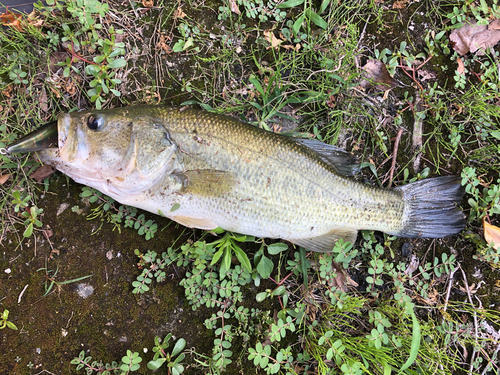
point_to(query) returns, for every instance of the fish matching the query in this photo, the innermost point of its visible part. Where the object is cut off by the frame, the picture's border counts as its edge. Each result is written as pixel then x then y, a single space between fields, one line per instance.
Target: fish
pixel 205 170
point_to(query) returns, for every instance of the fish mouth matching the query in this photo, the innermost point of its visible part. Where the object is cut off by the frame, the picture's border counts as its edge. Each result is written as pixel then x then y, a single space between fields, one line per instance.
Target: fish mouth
pixel 45 137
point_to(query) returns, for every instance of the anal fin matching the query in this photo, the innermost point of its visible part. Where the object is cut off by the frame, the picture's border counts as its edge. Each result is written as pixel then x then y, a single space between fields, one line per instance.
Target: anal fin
pixel 326 242
pixel 192 222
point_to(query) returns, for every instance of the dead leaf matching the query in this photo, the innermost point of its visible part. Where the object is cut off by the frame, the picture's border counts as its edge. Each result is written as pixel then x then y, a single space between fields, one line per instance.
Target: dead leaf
pixel 234 7
pixel 11 19
pixel 461 66
pixel 475 38
pixel 399 4
pixel 271 38
pixel 491 234
pixel 375 74
pixel 4 178
pixel 42 173
pixel 34 21
pixel 179 13
pixel 148 3
pixel 43 100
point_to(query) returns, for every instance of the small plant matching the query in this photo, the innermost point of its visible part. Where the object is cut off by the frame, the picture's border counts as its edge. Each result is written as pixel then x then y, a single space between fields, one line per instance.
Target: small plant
pixel 50 279
pixel 4 322
pixel 129 363
pixel 173 359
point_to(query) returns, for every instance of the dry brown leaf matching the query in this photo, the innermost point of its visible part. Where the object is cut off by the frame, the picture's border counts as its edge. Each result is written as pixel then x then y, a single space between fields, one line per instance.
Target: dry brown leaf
pixel 42 173
pixel 179 13
pixel 375 74
pixel 271 38
pixel 234 7
pixel 43 100
pixel 399 4
pixel 4 178
pixel 33 20
pixel 475 38
pixel 491 234
pixel 461 66
pixel 11 19
pixel 148 3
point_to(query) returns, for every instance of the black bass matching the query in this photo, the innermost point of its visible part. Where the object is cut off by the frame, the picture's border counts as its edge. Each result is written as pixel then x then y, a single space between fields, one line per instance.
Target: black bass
pixel 206 171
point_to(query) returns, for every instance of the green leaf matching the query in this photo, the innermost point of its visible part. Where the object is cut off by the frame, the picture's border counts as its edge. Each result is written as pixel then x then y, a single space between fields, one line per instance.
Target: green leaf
pixel 253 80
pixel 324 5
pixel 243 258
pixel 179 346
pixel 290 4
pixel 277 248
pixel 261 296
pixel 415 343
pixel 298 24
pixel 216 256
pixel 314 17
pixel 155 365
pixel 117 63
pixel 265 267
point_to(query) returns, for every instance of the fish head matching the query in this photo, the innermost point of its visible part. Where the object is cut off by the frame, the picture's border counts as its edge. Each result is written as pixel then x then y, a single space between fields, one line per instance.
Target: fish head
pixel 117 151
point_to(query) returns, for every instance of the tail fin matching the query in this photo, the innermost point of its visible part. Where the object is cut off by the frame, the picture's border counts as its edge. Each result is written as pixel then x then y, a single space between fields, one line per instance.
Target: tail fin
pixel 431 208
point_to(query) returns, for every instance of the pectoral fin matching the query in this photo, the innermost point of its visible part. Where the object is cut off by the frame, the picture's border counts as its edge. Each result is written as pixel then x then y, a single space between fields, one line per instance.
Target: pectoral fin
pixel 192 222
pixel 326 242
pixel 206 182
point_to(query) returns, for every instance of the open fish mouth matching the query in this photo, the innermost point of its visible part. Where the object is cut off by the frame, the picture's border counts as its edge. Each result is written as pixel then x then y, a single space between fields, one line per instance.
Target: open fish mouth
pixel 45 137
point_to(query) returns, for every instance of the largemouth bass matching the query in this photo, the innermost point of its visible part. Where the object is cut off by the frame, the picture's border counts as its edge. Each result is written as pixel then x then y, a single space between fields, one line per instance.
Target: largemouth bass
pixel 206 171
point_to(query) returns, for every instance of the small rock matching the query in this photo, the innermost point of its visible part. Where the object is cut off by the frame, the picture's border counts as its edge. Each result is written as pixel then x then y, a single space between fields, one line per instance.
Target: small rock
pixel 84 290
pixel 61 208
pixel 8 270
pixel 109 255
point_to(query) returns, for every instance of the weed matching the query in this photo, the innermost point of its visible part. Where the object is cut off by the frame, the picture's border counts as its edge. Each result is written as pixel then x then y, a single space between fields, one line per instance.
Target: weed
pixel 4 321
pixel 50 279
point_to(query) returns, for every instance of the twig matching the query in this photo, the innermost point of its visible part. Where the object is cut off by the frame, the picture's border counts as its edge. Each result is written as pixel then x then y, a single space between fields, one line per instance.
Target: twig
pixel 363 32
pixel 449 289
pixel 395 155
pixel 474 351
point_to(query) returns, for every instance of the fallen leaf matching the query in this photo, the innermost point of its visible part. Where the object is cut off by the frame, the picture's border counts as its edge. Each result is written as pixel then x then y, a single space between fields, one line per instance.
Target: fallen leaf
pixel 148 3
pixel 234 7
pixel 399 4
pixel 492 234
pixel 11 19
pixel 375 74
pixel 42 173
pixel 271 38
pixel 43 100
pixel 461 66
pixel 179 13
pixel 475 38
pixel 4 178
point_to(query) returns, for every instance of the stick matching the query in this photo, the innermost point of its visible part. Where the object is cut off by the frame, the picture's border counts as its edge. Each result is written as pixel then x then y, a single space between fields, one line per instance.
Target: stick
pixel 395 155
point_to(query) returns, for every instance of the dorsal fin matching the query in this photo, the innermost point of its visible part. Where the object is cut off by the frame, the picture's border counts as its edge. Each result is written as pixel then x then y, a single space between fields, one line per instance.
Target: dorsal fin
pixel 345 163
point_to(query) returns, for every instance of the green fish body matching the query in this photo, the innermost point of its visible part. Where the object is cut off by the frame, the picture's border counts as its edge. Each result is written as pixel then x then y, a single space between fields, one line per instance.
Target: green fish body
pixel 206 171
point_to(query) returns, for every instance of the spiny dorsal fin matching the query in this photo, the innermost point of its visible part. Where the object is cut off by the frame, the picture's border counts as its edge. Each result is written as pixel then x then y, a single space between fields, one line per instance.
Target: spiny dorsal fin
pixel 345 163
pixel 326 242
pixel 206 182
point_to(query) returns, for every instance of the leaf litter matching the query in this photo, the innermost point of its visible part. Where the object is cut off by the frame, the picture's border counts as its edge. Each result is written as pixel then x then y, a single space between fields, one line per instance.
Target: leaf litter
pixel 475 38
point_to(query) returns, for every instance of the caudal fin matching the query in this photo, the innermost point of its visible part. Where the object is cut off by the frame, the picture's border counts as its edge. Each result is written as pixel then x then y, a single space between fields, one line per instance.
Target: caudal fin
pixel 431 208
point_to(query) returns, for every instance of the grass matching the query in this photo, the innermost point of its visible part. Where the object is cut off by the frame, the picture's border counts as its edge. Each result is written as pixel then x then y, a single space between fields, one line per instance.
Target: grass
pixel 66 56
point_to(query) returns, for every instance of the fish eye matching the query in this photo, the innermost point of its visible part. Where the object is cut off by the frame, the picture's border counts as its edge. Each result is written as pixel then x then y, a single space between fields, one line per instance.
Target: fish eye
pixel 95 122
